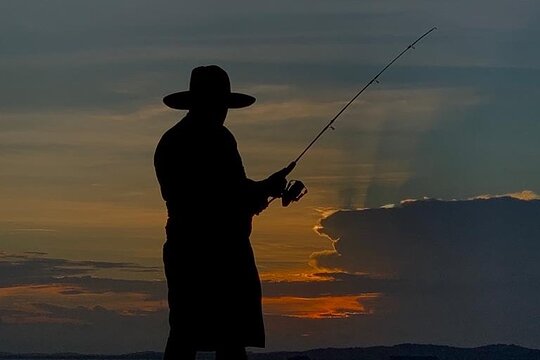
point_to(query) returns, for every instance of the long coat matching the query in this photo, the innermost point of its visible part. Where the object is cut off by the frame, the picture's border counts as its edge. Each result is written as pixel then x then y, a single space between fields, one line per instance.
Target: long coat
pixel 214 287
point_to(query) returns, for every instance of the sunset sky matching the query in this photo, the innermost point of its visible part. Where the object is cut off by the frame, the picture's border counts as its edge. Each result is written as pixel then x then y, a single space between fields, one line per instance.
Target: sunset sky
pixel 82 219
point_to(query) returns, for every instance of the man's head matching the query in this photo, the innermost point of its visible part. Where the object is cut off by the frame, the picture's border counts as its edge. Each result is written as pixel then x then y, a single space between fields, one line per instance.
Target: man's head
pixel 209 94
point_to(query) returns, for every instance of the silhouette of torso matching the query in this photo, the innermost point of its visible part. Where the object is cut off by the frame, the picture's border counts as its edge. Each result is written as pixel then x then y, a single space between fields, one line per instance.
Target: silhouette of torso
pixel 210 203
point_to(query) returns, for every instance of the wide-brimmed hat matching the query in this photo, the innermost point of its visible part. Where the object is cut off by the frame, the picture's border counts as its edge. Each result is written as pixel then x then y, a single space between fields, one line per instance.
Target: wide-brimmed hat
pixel 208 84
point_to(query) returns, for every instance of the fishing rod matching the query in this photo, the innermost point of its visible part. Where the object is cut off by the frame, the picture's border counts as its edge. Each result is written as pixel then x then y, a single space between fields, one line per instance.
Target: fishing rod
pixel 295 189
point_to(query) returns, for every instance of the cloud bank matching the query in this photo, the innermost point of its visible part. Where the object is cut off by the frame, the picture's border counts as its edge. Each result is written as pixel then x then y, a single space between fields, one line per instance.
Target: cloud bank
pixel 467 270
pixel 482 239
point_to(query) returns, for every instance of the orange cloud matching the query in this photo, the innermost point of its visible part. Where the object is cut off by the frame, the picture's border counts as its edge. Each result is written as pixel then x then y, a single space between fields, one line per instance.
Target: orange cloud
pixel 320 307
pixel 292 276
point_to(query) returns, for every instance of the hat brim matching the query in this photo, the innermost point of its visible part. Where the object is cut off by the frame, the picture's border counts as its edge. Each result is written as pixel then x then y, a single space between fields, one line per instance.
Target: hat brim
pixel 183 100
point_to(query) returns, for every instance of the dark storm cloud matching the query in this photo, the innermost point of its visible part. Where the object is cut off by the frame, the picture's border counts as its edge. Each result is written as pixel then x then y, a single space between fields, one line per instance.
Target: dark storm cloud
pixel 467 241
pixel 466 270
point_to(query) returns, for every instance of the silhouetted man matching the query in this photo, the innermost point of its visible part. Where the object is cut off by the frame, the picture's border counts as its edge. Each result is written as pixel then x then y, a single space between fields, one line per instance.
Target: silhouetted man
pixel 210 204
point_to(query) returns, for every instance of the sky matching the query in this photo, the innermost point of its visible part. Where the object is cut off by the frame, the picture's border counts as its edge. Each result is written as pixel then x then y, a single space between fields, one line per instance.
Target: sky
pixel 420 224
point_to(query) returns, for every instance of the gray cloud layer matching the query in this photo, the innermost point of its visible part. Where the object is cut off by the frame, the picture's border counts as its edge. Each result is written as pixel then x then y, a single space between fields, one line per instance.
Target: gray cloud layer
pixel 33 268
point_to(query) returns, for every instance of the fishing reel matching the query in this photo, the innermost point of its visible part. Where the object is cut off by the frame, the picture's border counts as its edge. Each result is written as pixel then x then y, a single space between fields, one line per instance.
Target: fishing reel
pixel 294 191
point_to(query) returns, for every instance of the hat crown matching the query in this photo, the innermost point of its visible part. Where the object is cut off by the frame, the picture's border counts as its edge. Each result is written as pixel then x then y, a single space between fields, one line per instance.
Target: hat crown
pixel 209 81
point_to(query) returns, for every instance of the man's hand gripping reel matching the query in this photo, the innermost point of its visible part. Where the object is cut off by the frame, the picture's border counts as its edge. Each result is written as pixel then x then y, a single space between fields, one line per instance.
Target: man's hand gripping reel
pixel 294 191
pixel 290 192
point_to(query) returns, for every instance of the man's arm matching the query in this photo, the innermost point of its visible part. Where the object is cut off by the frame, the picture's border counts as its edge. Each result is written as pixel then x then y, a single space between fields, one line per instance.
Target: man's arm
pixel 259 192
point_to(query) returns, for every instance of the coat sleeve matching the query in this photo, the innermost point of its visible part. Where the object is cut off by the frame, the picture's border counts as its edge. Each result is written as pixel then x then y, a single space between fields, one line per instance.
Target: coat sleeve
pixel 257 196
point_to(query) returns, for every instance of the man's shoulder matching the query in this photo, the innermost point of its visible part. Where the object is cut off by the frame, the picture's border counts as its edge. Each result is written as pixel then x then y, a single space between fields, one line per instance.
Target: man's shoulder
pixel 180 129
pixel 171 139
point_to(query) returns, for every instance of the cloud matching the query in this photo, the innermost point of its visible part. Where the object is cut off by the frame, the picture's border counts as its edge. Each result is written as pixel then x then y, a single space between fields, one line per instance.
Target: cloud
pixel 31 278
pixel 78 310
pixel 305 31
pixel 521 195
pixel 482 239
pixel 34 268
pixel 23 300
pixel 466 269
pixel 83 312
pixel 322 307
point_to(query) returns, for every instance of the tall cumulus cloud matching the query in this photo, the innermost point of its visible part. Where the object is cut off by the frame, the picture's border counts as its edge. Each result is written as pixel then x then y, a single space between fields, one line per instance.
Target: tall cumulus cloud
pixel 467 270
pixel 481 239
